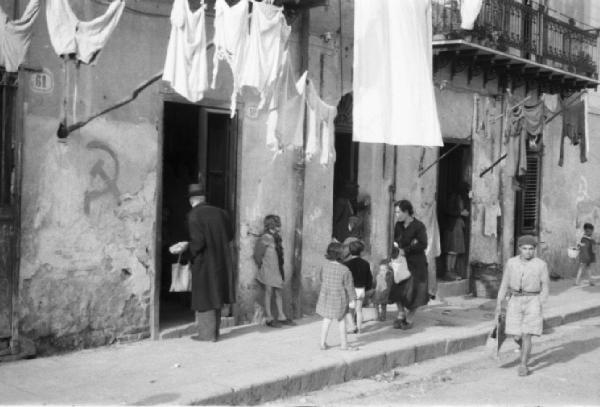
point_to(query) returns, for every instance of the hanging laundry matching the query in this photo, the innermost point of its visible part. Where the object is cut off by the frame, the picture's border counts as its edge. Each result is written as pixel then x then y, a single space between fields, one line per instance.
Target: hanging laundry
pixel 83 39
pixel 575 129
pixel 285 123
pixel 394 99
pixel 185 65
pixel 429 218
pixel 320 135
pixel 551 102
pixel 230 39
pixel 269 34
pixel 15 36
pixel 490 220
pixel 469 10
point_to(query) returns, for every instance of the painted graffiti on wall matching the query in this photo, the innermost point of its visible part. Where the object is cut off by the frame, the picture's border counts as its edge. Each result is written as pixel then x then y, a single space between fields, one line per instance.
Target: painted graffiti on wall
pixel 98 171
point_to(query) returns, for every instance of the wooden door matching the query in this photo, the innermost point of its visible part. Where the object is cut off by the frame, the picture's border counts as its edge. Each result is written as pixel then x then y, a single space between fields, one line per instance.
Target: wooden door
pixel 9 207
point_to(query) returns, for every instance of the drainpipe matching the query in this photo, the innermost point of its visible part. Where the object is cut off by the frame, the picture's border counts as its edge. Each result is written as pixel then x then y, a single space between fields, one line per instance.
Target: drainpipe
pixel 392 190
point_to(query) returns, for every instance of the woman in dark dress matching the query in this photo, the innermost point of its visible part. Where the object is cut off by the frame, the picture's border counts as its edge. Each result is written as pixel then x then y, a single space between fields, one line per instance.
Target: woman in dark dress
pixel 411 237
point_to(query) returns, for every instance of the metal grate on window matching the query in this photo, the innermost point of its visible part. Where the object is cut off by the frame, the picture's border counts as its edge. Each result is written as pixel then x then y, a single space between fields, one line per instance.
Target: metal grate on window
pixel 529 197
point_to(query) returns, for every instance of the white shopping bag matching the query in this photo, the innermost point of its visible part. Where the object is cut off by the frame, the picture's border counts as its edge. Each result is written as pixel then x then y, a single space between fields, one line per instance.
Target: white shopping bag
pixel 181 277
pixel 400 268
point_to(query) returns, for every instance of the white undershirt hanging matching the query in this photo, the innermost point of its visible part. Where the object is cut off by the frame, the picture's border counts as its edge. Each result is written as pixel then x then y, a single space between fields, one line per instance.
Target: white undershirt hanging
pixel 15 36
pixel 185 64
pixel 85 39
pixel 269 33
pixel 230 40
pixel 469 10
pixel 394 99
pixel 320 128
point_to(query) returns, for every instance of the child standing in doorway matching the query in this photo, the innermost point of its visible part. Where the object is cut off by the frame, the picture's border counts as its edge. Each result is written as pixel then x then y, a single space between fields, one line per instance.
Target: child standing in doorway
pixel 268 255
pixel 587 256
pixel 337 294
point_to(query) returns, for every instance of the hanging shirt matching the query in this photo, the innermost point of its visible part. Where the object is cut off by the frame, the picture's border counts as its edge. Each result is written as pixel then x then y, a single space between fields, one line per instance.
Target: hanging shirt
pixel 185 65
pixel 269 33
pixel 230 39
pixel 84 39
pixel 394 99
pixel 15 36
pixel 490 226
pixel 469 10
pixel 320 134
pixel 285 122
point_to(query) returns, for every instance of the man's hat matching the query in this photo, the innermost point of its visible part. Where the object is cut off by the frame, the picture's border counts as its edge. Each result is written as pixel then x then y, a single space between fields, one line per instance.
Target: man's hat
pixel 527 240
pixel 197 189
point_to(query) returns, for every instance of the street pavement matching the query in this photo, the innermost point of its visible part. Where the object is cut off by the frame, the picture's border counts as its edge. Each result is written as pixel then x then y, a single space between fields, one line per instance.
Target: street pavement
pixel 254 364
pixel 564 363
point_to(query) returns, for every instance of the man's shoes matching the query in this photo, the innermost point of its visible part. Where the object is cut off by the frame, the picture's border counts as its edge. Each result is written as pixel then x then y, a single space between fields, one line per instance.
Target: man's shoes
pixel 288 322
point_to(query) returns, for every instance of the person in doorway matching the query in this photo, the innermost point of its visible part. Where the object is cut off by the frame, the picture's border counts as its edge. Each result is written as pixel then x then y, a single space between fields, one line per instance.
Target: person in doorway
pixel 457 214
pixel 336 296
pixel 587 256
pixel 411 237
pixel 213 282
pixel 526 284
pixel 346 208
pixel 362 279
pixel 268 255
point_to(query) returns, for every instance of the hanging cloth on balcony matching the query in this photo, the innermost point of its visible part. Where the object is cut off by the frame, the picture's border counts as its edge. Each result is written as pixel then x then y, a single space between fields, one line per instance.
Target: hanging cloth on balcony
pixel 185 65
pixel 269 33
pixel 15 36
pixel 84 39
pixel 575 129
pixel 394 99
pixel 469 10
pixel 231 37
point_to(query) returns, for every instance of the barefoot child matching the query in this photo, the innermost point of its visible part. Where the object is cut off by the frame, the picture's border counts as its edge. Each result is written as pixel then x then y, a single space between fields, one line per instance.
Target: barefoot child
pixel 268 255
pixel 587 256
pixel 337 292
pixel 361 278
pixel 383 282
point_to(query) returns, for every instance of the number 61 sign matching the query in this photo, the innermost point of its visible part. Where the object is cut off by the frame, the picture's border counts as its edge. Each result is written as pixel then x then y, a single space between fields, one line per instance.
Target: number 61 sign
pixel 42 82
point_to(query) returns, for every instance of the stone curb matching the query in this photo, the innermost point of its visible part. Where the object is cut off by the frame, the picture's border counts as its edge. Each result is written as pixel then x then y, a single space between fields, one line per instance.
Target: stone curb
pixel 369 365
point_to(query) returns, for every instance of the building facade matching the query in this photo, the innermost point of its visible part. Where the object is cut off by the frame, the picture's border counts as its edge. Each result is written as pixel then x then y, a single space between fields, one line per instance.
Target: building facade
pixel 86 219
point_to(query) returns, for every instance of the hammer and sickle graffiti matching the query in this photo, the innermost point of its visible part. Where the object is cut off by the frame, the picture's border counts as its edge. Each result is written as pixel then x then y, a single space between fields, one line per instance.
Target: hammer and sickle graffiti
pixel 99 171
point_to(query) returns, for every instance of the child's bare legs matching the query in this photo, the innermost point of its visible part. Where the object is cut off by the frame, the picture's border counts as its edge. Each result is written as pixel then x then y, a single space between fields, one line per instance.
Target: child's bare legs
pixel 583 267
pixel 342 327
pixel 359 315
pixel 268 294
pixel 325 330
pixel 279 301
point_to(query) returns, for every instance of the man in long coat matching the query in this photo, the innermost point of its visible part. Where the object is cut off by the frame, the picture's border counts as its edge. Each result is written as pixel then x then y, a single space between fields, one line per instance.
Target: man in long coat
pixel 213 282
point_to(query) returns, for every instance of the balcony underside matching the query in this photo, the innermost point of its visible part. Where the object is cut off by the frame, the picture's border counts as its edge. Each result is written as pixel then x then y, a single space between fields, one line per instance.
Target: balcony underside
pixel 509 70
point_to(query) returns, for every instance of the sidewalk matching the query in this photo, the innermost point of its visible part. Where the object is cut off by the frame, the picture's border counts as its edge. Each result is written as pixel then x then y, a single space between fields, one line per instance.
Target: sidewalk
pixel 253 364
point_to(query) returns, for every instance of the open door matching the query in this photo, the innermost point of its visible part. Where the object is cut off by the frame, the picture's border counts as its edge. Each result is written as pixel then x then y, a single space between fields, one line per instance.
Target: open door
pixel 197 139
pixel 9 214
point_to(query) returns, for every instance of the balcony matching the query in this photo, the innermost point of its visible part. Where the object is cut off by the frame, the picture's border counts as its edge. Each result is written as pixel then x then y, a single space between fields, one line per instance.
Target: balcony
pixel 518 44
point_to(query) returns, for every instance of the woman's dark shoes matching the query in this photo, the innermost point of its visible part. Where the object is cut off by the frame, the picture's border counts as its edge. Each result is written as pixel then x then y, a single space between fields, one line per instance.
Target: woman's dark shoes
pixel 406 325
pixel 288 322
pixel 399 323
pixel 272 324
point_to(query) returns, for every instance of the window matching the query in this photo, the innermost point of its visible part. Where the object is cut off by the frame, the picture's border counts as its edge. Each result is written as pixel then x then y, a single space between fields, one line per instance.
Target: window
pixel 7 144
pixel 528 198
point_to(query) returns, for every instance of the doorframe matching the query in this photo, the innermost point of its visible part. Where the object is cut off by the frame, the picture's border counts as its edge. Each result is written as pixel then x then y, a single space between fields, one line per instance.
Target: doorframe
pixel 168 95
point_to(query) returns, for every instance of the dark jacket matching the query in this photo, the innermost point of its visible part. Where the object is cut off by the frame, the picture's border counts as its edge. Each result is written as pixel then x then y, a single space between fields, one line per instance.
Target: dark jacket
pixel 213 279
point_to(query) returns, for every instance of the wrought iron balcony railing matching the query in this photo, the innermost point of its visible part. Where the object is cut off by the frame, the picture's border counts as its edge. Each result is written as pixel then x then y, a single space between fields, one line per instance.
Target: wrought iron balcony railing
pixel 527 30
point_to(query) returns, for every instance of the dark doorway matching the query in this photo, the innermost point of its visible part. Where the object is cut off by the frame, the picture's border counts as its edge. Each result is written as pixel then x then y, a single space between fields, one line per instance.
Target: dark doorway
pixel 454 184
pixel 197 139
pixel 9 213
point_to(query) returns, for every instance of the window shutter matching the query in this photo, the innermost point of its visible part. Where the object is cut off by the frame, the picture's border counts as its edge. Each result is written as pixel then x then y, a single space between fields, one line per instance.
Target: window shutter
pixel 528 199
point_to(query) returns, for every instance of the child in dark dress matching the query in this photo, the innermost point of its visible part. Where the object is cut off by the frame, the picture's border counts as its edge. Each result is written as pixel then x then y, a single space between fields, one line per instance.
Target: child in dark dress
pixel 587 256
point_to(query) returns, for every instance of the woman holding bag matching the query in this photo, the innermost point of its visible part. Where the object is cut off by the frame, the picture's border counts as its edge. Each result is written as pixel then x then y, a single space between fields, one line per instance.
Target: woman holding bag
pixel 410 236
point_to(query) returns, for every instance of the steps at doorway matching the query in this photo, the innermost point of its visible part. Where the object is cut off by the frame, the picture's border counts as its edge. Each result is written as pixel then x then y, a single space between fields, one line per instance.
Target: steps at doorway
pixel 447 289
pixel 189 329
